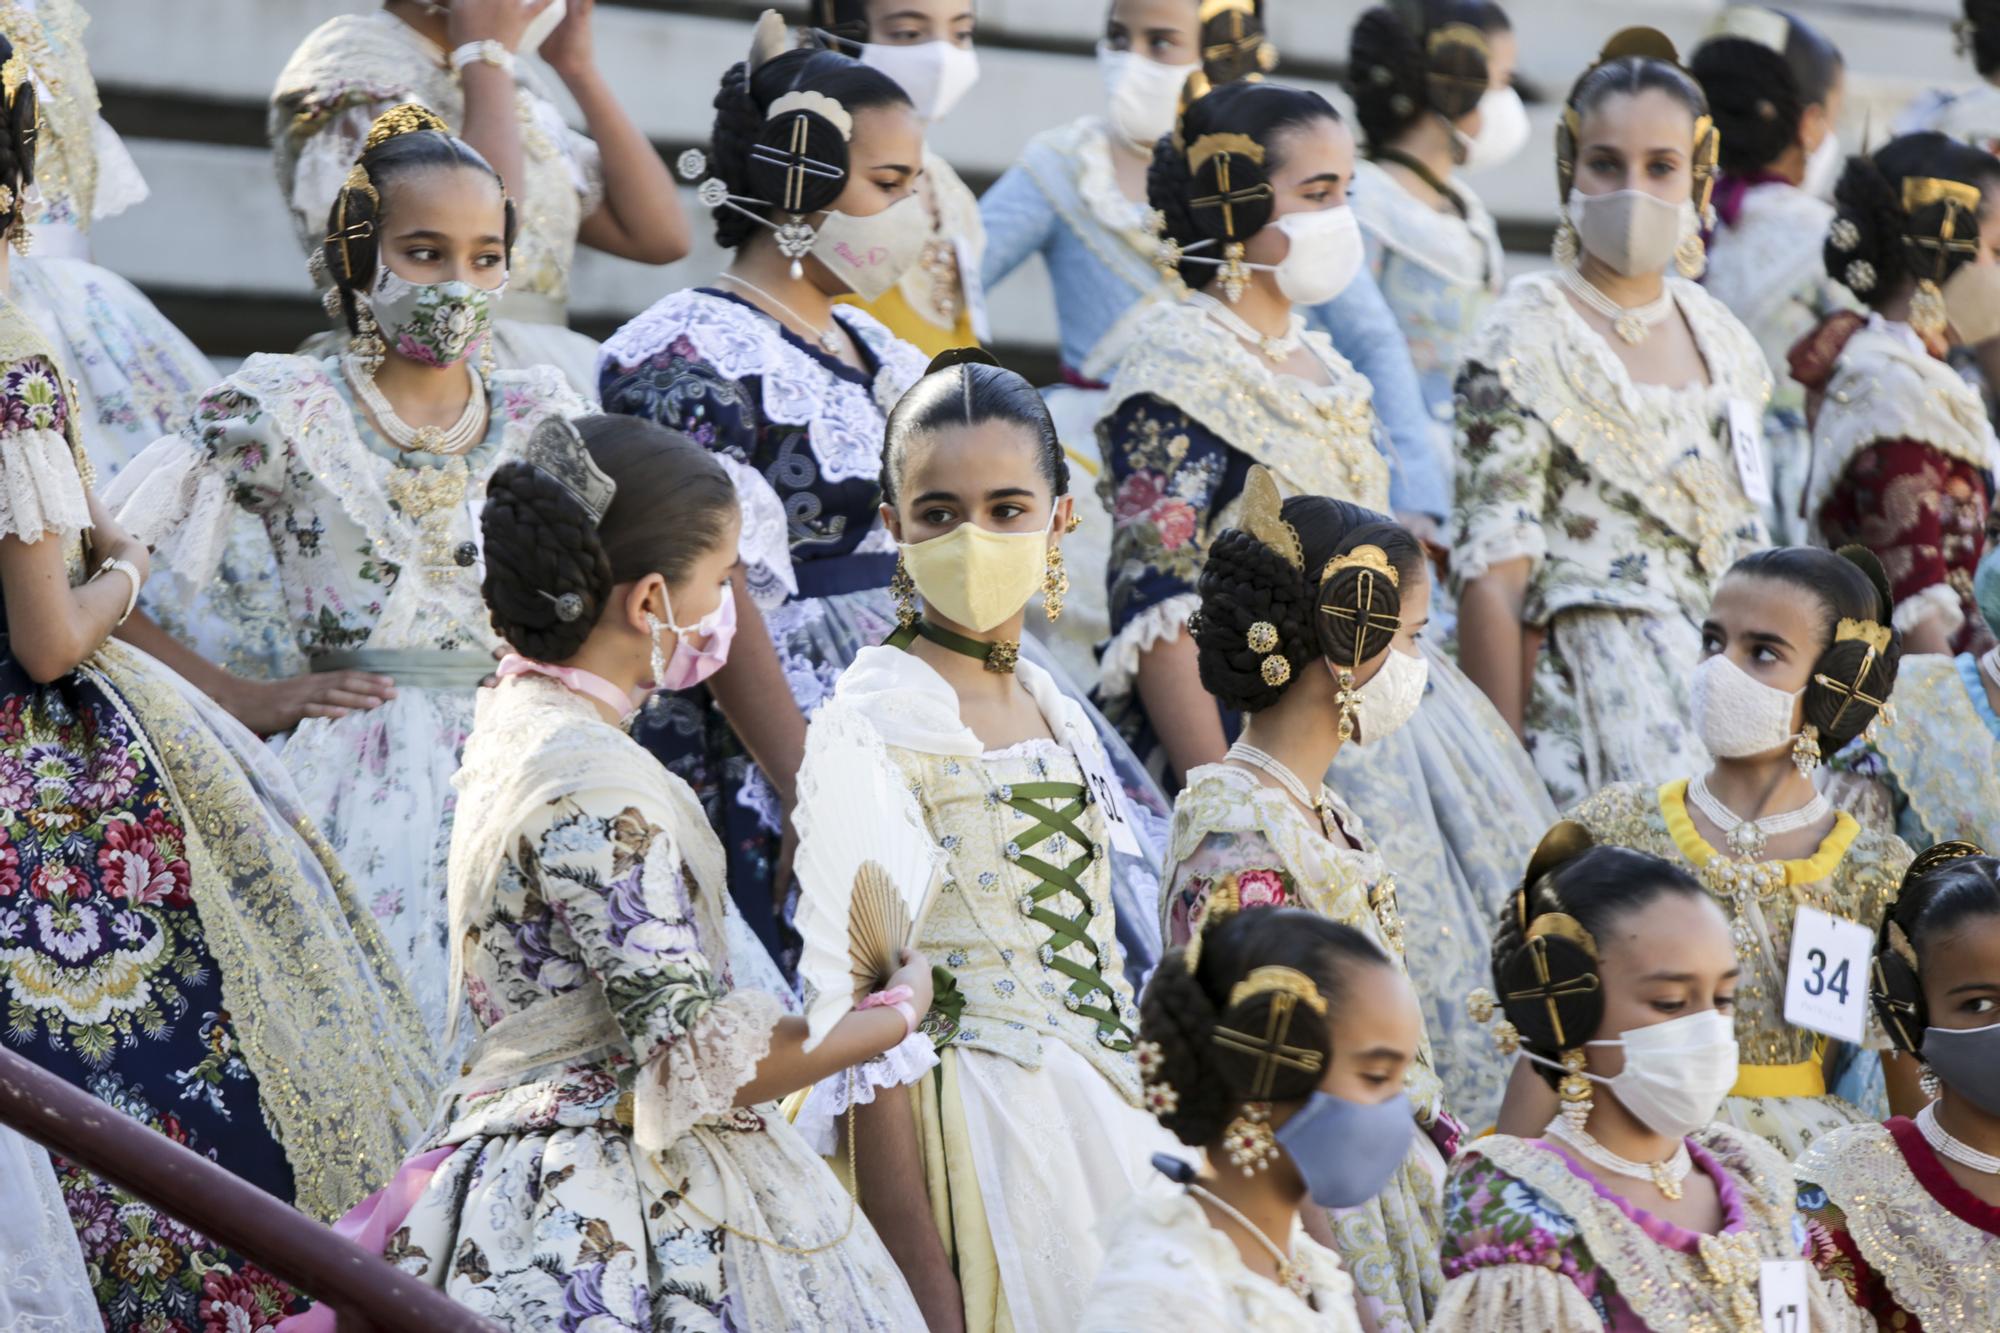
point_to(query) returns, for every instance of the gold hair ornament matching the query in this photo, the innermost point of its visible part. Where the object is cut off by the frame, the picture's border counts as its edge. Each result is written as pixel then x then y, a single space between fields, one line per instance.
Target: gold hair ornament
pixel 13 77
pixel 1365 557
pixel 815 103
pixel 1870 632
pixel 1239 48
pixel 1263 517
pixel 1271 980
pixel 409 118
pixel 1271 1049
pixel 1766 27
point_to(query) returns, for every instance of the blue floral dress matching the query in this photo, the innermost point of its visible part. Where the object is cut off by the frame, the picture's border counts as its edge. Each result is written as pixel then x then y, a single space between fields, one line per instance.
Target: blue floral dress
pixel 155 906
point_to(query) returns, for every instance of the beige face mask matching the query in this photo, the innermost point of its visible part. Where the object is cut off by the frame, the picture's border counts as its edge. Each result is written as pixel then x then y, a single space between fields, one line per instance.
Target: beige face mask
pixel 978 578
pixel 1972 303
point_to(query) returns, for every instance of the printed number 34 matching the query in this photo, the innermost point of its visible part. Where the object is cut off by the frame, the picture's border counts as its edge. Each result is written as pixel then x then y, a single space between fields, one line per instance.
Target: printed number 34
pixel 1819 982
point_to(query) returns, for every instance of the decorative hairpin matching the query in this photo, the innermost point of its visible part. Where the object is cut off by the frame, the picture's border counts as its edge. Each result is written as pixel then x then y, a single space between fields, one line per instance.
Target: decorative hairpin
pixel 1233 44
pixel 1270 980
pixel 1363 557
pixel 557 451
pixel 1159 1095
pixel 1288 988
pixel 1872 633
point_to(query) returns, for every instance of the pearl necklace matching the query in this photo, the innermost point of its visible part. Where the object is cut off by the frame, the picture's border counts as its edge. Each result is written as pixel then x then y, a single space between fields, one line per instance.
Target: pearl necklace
pixel 1275 348
pixel 1747 837
pixel 1294 786
pixel 1632 323
pixel 1940 1138
pixel 828 337
pixel 450 441
pixel 1290 1276
pixel 1667 1175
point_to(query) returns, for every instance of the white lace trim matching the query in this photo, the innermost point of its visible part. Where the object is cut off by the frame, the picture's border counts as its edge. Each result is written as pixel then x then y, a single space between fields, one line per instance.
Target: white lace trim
pixel 904 1063
pixel 843 420
pixel 1461 251
pixel 1163 622
pixel 169 499
pixel 40 491
pixel 698 1076
pixel 1938 601
pixel 765 545
pixel 1097 184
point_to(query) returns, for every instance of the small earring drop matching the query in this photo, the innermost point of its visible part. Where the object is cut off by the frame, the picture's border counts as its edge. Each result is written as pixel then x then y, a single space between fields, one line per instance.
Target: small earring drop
pixel 1805 751
pixel 1927 312
pixel 1691 256
pixel 1565 249
pixel 656 629
pixel 486 364
pixel 1349 700
pixel 367 345
pixel 1574 1089
pixel 1055 584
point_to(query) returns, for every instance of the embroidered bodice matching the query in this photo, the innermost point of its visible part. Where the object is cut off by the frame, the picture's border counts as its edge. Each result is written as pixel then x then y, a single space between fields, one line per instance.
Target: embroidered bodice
pixel 1438 271
pixel 375 546
pixel 1768 269
pixel 1854 874
pixel 1621 495
pixel 354 67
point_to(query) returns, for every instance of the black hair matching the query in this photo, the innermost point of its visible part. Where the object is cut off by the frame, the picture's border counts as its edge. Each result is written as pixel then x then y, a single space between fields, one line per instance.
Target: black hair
pixel 353 242
pixel 966 387
pixel 1245 582
pixel 673 504
pixel 1881 247
pixel 1261 112
pixel 740 105
pixel 19 130
pixel 1850 585
pixel 1181 1010
pixel 1396 73
pixel 1759 96
pixel 1593 887
pixel 1980 32
pixel 1944 887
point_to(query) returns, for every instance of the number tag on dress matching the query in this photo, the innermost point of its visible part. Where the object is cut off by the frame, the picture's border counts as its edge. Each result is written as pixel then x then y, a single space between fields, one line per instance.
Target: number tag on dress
pixel 1746 444
pixel 1781 1297
pixel 1108 796
pixel 1826 987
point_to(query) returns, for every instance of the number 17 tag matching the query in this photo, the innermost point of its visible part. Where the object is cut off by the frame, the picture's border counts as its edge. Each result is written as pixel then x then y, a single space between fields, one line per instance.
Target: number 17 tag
pixel 1826 986
pixel 1781 1297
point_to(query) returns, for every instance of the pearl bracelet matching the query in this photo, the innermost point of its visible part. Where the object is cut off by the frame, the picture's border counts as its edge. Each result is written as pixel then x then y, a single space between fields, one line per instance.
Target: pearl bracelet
pixel 487 50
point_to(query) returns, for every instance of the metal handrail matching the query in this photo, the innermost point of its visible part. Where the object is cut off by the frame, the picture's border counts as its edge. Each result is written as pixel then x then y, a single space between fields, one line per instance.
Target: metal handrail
pixel 368 1295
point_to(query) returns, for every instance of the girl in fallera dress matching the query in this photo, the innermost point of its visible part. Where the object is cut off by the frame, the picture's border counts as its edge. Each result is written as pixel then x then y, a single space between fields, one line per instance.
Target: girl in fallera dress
pixel 1797 660
pixel 1306 630
pixel 613 1157
pixel 1607 426
pixel 1229 378
pixel 1905 1216
pixel 1278 1047
pixel 1775 86
pixel 1025 1132
pixel 175 939
pixel 365 469
pixel 1631 1209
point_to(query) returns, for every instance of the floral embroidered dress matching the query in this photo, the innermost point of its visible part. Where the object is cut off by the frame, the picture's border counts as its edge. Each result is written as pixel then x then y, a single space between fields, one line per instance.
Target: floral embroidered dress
pixel 594 1171
pixel 1453 795
pixel 1031 1128
pixel 377 550
pixel 939 303
pixel 1765 264
pixel 354 67
pixel 1903 464
pixel 1935 775
pixel 1535 1241
pixel 1781 1089
pixel 174 937
pixel 800 433
pixel 1625 500
pixel 1908 1244
pixel 1168 1267
pixel 1227 825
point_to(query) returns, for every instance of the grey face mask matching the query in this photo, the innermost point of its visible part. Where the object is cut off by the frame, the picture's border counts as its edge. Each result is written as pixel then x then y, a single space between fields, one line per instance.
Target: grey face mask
pixel 1348 1152
pixel 1968 1060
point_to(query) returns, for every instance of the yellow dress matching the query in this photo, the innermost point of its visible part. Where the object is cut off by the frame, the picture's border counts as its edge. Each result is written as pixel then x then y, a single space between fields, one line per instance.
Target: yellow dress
pixel 1781 1092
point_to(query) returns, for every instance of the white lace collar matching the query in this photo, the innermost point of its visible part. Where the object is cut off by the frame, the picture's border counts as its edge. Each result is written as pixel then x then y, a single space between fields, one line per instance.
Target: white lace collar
pixel 914 708
pixel 1097 185
pixel 843 419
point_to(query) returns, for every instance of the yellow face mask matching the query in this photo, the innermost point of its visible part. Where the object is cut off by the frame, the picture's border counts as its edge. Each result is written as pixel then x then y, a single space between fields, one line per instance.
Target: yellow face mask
pixel 978 578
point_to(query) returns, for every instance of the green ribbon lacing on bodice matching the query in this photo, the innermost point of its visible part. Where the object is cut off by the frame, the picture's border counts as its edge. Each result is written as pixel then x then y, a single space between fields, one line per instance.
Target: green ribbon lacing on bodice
pixel 1041 904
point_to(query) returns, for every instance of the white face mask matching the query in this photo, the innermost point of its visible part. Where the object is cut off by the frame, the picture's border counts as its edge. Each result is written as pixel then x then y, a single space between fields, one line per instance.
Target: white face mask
pixel 1632 231
pixel 1676 1073
pixel 1144 94
pixel 1503 130
pixel 541 25
pixel 1823 168
pixel 869 255
pixel 1325 254
pixel 1737 715
pixel 935 74
pixel 1391 696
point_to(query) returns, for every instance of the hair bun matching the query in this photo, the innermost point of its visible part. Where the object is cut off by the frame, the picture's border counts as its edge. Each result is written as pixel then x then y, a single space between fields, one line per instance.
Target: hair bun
pixel 1254 632
pixel 1359 602
pixel 961 356
pixel 1868 563
pixel 1544 961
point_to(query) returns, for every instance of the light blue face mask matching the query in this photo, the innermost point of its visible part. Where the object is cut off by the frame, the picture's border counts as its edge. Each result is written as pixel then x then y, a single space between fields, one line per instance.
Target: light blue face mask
pixel 1348 1152
pixel 1986 586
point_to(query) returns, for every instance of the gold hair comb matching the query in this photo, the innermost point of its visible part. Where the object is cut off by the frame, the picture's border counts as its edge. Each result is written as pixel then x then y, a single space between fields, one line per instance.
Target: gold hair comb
pixel 1270 980
pixel 1870 632
pixel 409 118
pixel 1364 557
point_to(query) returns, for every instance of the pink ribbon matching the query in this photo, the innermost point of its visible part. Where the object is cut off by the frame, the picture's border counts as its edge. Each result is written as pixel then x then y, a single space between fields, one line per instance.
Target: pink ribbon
pixel 371 1222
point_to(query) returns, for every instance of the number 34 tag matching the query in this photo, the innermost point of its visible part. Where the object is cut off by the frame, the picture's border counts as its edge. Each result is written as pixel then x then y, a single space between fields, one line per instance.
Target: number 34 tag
pixel 1826 987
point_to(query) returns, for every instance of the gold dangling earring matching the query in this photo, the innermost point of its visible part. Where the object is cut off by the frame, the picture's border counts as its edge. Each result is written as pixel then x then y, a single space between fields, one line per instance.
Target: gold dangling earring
pixel 1349 700
pixel 1567 248
pixel 1235 277
pixel 904 589
pixel 1055 584
pixel 367 345
pixel 1805 751
pixel 1691 256
pixel 1574 1089
pixel 1248 1140
pixel 23 242
pixel 1927 313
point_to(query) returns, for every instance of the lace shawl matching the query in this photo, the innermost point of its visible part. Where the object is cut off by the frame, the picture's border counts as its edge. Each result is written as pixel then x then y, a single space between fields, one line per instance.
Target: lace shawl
pixel 843 420
pixel 1461 251
pixel 1661 446
pixel 1320 439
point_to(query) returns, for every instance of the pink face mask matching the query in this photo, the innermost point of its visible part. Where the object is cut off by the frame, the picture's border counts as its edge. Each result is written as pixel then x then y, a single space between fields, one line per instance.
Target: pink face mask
pixel 692 665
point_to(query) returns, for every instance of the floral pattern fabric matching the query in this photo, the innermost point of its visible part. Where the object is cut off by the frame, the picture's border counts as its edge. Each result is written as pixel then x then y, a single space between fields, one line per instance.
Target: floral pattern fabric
pixel 1934 776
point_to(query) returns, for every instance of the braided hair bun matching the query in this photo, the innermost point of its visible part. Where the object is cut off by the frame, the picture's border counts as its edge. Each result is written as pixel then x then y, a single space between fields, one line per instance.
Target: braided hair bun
pixel 1875 245
pixel 18 133
pixel 1943 885
pixel 1408 59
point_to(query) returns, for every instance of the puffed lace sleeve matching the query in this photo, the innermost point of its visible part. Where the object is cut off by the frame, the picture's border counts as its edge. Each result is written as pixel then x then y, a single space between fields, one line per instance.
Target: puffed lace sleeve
pixel 614 878
pixel 177 495
pixel 1502 478
pixel 41 491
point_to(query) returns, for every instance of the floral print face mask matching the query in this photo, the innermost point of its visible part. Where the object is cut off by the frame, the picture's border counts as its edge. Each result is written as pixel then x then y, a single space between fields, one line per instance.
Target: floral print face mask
pixel 433 323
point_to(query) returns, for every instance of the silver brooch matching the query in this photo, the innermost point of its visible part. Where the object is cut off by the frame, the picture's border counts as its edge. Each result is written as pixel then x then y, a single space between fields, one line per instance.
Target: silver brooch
pixel 692 164
pixel 1860 277
pixel 714 192
pixel 1844 234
